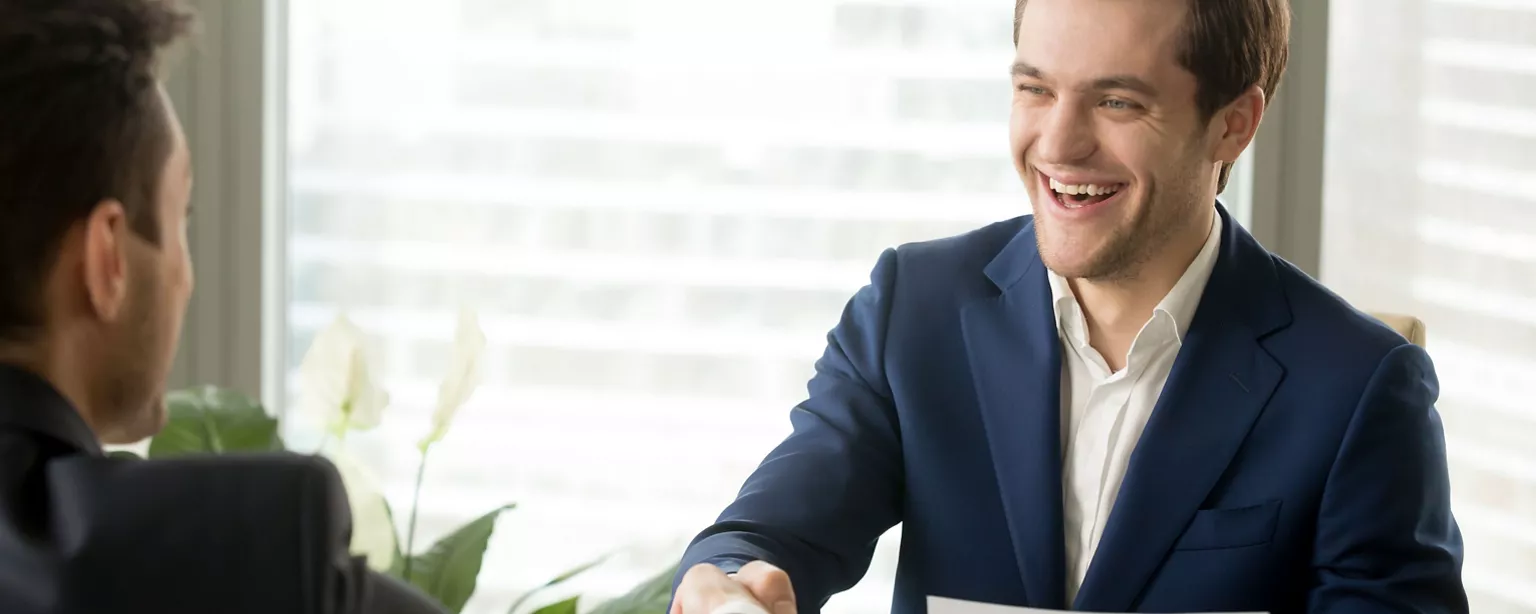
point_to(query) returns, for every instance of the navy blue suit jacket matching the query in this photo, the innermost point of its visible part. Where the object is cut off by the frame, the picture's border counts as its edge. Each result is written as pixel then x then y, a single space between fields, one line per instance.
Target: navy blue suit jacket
pixel 1294 463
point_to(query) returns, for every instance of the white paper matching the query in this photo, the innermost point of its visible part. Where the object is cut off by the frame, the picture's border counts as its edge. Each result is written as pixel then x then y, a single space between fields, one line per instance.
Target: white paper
pixel 945 605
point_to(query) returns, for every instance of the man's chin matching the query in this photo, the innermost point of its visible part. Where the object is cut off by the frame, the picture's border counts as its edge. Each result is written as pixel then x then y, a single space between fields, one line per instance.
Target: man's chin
pixel 1079 261
pixel 1068 268
pixel 155 417
pixel 145 424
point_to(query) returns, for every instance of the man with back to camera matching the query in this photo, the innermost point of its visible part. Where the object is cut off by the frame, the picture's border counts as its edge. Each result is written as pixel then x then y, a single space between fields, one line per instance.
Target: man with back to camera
pixel 1119 403
pixel 95 179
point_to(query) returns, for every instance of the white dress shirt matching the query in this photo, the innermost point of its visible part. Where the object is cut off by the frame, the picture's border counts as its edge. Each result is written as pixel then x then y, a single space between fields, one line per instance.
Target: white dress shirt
pixel 1104 413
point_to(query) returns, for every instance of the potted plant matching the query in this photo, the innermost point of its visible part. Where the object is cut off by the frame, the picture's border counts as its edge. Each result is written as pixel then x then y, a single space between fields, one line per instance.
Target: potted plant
pixel 336 386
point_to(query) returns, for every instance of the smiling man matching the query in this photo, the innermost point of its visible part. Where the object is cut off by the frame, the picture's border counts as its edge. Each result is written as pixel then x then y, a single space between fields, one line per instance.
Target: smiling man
pixel 1121 402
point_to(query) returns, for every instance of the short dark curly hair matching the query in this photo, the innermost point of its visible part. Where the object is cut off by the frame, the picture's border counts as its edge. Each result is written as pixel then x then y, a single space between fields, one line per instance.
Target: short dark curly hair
pixel 82 121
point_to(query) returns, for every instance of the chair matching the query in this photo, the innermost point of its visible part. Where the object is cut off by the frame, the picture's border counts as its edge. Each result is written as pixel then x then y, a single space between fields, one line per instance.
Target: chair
pixel 1408 326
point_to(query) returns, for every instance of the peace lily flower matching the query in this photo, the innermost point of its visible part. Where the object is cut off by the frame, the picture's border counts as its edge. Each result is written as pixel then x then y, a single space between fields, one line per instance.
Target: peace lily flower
pixel 373 531
pixel 462 378
pixel 335 384
pixel 458 384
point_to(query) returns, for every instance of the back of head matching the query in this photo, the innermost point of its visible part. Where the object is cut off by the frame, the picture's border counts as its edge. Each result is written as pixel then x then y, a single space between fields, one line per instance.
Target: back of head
pixel 85 136
pixel 80 122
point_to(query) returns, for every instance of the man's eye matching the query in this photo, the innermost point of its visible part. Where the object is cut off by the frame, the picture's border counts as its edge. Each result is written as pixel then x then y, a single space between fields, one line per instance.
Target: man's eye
pixel 1032 89
pixel 1119 105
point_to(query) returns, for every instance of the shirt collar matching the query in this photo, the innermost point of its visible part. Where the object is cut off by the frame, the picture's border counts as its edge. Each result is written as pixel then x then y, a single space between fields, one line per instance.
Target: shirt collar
pixel 1070 323
pixel 1179 304
pixel 1184 298
pixel 29 402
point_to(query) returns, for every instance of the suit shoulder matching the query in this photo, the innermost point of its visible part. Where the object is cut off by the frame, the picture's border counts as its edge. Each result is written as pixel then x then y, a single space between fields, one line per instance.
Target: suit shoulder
pixel 233 516
pixel 281 478
pixel 961 257
pixel 311 477
pixel 984 242
pixel 1321 314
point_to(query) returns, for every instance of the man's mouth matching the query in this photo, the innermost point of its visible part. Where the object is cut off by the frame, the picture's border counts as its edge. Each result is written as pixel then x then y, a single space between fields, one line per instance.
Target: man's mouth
pixel 1077 196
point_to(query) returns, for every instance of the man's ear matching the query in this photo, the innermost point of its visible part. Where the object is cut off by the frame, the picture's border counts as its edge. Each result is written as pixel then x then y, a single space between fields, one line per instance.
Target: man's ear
pixel 104 259
pixel 1235 125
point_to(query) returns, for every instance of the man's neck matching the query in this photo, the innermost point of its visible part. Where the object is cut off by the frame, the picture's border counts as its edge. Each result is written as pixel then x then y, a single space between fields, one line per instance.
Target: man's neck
pixel 1117 309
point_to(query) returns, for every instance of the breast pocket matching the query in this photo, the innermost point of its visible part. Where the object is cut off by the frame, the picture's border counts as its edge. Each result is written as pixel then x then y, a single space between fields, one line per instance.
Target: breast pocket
pixel 1231 527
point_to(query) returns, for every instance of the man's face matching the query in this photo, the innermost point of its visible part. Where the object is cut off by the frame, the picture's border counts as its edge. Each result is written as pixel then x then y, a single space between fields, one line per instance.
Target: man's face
pixel 1106 133
pixel 143 342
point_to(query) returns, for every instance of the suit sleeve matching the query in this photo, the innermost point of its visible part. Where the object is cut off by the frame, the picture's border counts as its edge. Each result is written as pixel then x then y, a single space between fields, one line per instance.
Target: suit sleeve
pixel 819 501
pixel 1386 538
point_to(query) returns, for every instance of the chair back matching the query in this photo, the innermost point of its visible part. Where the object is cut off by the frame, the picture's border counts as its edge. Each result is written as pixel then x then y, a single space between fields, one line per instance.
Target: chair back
pixel 1408 326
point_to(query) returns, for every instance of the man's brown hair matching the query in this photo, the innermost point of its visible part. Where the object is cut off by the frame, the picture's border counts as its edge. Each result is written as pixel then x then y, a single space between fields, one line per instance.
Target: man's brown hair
pixel 1230 46
pixel 81 121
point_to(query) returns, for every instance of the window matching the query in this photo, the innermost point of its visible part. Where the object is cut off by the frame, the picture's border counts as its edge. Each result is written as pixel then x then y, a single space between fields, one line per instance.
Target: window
pixel 659 209
pixel 659 213
pixel 1430 209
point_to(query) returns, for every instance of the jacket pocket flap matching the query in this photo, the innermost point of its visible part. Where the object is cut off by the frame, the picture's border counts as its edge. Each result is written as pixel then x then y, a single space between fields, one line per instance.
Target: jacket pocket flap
pixel 1231 527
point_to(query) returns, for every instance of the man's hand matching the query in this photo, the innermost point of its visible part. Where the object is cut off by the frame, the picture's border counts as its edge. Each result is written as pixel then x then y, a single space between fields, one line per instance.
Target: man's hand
pixel 758 588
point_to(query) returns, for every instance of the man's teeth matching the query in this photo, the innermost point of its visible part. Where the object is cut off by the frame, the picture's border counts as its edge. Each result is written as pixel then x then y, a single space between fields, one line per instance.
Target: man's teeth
pixel 1086 189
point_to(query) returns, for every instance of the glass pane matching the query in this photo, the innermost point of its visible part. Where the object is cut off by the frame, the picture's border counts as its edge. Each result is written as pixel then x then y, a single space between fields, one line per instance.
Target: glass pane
pixel 659 209
pixel 1430 210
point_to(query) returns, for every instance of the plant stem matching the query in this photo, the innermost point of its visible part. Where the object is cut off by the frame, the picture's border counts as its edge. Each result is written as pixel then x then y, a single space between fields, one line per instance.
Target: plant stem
pixel 410 535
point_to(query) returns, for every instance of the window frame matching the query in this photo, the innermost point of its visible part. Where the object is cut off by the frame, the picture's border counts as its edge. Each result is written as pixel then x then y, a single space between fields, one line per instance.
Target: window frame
pixel 1287 187
pixel 223 85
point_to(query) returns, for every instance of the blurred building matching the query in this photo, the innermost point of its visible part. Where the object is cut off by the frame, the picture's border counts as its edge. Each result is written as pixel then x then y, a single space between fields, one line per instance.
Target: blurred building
pixel 660 208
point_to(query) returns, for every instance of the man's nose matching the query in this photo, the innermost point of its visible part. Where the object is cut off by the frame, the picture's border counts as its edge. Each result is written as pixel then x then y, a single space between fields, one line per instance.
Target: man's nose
pixel 1066 135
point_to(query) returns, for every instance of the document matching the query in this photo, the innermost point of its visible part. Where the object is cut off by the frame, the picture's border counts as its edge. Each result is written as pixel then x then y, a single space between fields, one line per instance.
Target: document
pixel 945 605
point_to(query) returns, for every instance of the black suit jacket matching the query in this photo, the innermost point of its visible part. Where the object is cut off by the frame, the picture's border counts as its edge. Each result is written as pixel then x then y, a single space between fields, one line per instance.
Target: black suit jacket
pixel 82 533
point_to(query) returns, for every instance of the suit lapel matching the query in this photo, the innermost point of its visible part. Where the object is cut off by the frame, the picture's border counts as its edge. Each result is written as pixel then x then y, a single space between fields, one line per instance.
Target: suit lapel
pixel 1217 389
pixel 1016 364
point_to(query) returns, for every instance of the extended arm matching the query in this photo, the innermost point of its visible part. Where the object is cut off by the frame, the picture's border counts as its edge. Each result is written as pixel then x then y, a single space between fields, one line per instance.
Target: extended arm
pixel 817 504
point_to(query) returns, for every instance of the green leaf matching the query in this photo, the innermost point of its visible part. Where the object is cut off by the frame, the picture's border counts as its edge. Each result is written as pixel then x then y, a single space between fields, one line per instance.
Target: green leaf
pixel 212 420
pixel 448 571
pixel 650 597
pixel 398 569
pixel 575 571
pixel 567 575
pixel 560 607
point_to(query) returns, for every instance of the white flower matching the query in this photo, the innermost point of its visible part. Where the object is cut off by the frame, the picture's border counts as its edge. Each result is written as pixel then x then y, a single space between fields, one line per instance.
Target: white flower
pixel 334 381
pixel 462 378
pixel 373 531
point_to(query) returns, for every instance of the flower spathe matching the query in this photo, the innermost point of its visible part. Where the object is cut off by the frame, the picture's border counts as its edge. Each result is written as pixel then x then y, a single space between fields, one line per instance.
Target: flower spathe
pixel 462 378
pixel 335 383
pixel 373 530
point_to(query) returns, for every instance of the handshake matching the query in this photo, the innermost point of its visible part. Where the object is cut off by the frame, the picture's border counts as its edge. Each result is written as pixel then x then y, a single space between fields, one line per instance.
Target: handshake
pixel 757 588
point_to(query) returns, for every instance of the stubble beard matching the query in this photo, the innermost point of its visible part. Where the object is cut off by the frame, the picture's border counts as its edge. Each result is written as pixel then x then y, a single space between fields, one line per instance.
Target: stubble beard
pixel 1156 222
pixel 132 395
